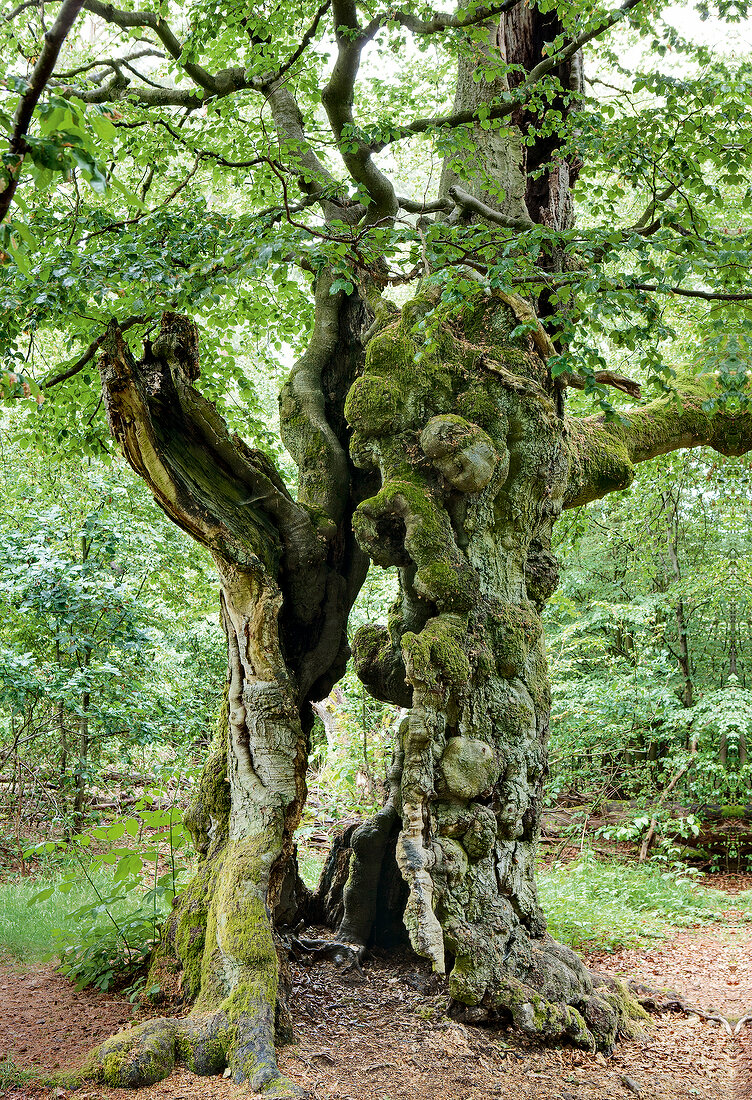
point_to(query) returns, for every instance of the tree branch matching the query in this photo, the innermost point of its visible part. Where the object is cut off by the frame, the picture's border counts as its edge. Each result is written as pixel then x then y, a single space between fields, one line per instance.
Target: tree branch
pixel 88 355
pixel 606 378
pixel 705 295
pixel 468 204
pixel 441 21
pixel 108 62
pixel 226 495
pixel 53 42
pixel 273 78
pixel 517 97
pixel 129 19
pixel 337 98
pixel 603 453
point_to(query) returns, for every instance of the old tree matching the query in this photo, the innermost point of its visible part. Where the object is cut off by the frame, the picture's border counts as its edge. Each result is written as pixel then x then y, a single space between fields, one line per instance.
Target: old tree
pixel 394 190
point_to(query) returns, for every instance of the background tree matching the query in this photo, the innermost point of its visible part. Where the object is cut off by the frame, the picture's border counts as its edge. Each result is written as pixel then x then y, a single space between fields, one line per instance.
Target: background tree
pixel 461 456
pixel 93 671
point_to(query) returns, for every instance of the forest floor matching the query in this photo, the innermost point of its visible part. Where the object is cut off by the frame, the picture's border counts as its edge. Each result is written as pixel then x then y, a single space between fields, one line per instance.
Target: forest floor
pixel 386 1036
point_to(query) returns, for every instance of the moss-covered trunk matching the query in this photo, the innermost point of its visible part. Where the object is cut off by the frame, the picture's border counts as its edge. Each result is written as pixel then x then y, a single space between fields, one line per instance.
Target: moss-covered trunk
pixel 474 460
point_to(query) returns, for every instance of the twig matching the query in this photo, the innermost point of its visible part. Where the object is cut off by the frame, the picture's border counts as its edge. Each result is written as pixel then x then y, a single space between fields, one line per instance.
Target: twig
pixel 90 352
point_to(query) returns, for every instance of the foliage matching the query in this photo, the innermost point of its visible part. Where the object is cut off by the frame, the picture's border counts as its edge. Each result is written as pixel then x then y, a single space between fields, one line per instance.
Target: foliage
pixel 110 936
pixel 609 906
pixel 649 635
pixel 109 648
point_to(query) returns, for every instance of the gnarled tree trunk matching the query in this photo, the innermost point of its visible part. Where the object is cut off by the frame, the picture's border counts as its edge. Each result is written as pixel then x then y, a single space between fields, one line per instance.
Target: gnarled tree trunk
pixel 289 573
pixel 474 462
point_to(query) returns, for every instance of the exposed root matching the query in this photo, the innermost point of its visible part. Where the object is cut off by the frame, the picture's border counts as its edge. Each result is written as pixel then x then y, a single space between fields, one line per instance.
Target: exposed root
pixel 206 1045
pixel 595 1011
pixel 654 1000
pixel 346 955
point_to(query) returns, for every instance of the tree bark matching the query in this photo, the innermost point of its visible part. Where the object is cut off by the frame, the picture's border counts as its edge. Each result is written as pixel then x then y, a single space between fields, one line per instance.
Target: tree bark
pixel 474 465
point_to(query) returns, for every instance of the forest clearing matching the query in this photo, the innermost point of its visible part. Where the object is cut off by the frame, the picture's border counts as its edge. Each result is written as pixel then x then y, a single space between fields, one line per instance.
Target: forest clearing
pixel 375 549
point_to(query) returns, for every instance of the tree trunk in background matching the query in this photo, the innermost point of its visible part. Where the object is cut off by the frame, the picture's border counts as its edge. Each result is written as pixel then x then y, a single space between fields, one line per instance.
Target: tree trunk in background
pixel 687 695
pixel 83 747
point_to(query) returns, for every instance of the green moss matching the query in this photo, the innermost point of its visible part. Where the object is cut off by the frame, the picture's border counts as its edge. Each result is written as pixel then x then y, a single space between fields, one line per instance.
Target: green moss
pixel 437 654
pixel 603 459
pixel 372 405
pixel 733 812
pixel 452 586
pixel 468 980
pixel 481 407
pixel 418 308
pixel 516 717
pixel 243 923
pixel 631 1017
pixel 208 813
pixel 517 629
pixel 190 932
pixel 390 352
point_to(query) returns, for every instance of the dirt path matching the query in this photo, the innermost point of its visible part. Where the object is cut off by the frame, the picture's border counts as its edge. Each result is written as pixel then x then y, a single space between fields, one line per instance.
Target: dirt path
pixel 386 1037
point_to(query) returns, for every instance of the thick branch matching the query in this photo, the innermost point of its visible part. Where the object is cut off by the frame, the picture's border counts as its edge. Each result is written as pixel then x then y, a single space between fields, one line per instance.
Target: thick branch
pixel 227 496
pixel 468 204
pixel 129 19
pixel 337 98
pixel 315 180
pixel 441 21
pixel 606 378
pixel 603 453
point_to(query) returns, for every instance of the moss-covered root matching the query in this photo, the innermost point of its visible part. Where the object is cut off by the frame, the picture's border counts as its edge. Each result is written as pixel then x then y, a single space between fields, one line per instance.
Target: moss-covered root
pixel 606 1012
pixel 207 1044
pixel 140 1056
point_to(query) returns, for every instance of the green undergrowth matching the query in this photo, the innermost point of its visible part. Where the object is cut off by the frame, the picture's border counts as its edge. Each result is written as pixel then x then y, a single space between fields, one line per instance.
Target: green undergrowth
pixel 26 931
pixel 12 1076
pixel 601 906
pixel 310 865
pixel 743 902
pixel 100 932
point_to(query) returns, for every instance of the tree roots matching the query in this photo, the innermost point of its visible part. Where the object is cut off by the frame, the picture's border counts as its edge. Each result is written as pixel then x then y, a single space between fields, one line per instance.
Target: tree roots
pixel 206 1044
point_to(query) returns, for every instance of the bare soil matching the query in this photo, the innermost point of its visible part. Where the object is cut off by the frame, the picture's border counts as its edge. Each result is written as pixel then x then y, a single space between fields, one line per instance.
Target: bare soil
pixel 386 1036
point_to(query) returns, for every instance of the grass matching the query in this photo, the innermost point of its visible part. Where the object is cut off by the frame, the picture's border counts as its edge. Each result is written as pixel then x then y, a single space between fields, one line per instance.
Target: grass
pixel 11 1076
pixel 26 931
pixel 602 906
